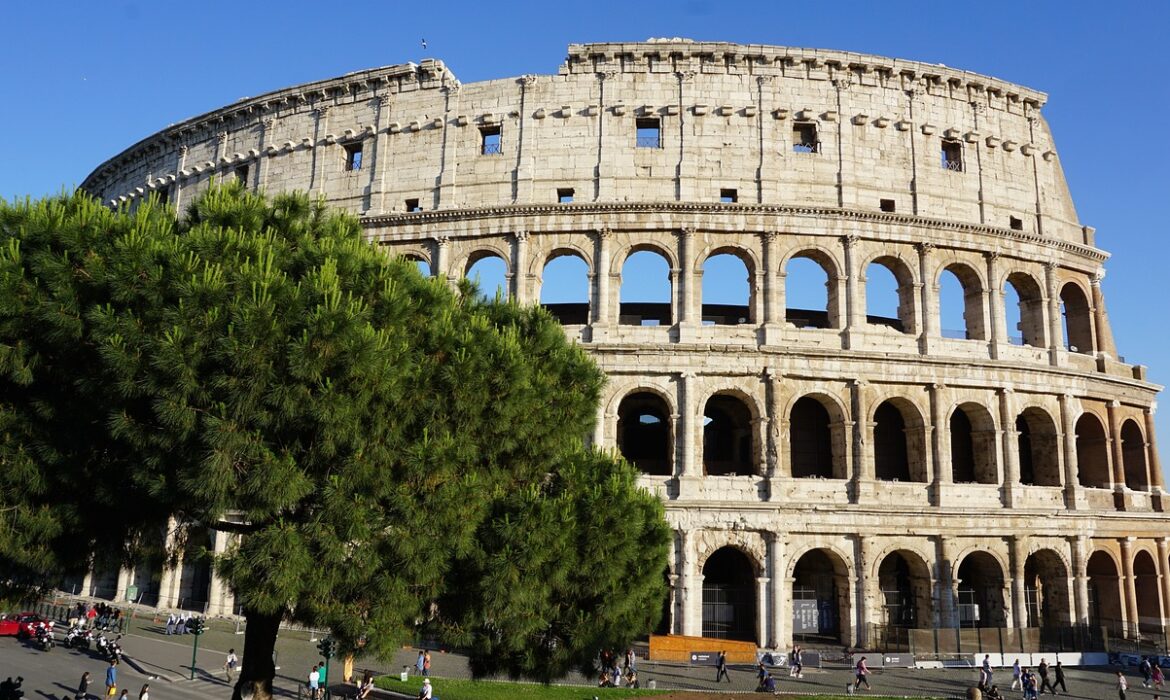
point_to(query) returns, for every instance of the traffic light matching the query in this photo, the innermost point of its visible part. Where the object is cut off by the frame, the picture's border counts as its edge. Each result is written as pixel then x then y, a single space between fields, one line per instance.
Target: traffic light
pixel 327 647
pixel 196 626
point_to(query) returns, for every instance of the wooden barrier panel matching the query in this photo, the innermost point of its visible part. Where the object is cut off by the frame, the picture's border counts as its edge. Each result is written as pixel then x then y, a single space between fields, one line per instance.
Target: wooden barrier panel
pixel 676 647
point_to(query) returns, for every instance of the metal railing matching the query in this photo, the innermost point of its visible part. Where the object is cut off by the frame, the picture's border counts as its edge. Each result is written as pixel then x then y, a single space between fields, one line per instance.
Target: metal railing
pixel 807 147
pixel 648 142
pixel 955 166
pixel 954 642
pixel 492 149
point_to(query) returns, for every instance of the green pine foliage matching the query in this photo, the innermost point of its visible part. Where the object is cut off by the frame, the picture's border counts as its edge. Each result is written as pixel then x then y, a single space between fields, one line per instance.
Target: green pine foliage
pixel 390 451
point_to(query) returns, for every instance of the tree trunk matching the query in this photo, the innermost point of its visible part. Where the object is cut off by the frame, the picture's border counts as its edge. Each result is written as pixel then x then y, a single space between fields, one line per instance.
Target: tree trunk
pixel 257 668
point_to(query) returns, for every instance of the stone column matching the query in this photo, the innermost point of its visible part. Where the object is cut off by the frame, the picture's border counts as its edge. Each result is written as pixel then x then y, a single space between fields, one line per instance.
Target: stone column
pixel 183 151
pixel 219 595
pixel 526 163
pixel 168 585
pixel 521 290
pixel 938 458
pixel 87 584
pixel 692 589
pixel 947 548
pixel 854 284
pixel 863 473
pixel 773 290
pixel 1153 462
pixel 1102 338
pixel 781 637
pixel 603 315
pixel 1055 332
pixel 378 169
pixel 687 423
pixel 1129 590
pixel 1010 448
pixel 1019 611
pixel 1115 451
pixel 686 278
pixel 1073 497
pixel 443 259
pixel 320 128
pixel 1080 546
pixel 447 193
pixel 928 331
pixel 778 466
pixel 124 576
pixel 762 610
pixel 863 588
pixel 996 311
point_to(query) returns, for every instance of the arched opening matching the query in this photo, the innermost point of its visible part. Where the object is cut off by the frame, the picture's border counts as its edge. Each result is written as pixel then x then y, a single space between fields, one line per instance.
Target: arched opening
pixel 1046 590
pixel 810 291
pixel 727 437
pixel 980 591
pixel 961 304
pixel 1078 322
pixel 564 288
pixel 904 580
pixel 1092 453
pixel 1038 448
pixel 1133 456
pixel 729 596
pixel 195 573
pixel 644 433
pixel 1104 591
pixel 972 433
pixel 646 290
pixel 420 264
pixel 820 597
pixel 489 272
pixel 898 443
pixel 889 295
pixel 728 295
pixel 1024 309
pixel 811 444
pixel 1145 580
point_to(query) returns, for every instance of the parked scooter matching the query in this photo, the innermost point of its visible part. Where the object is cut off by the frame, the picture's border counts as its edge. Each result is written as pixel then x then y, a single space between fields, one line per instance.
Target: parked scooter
pixel 77 638
pixel 43 637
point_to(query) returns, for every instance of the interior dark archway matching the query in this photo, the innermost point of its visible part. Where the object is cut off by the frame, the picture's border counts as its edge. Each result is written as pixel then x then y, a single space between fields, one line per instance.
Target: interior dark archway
pixel 1038 448
pixel 729 596
pixel 820 595
pixel 727 437
pixel 644 433
pixel 1092 453
pixel 980 591
pixel 1046 590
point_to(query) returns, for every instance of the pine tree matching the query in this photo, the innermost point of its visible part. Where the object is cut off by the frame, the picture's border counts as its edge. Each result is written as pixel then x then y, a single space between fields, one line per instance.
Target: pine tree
pixel 390 451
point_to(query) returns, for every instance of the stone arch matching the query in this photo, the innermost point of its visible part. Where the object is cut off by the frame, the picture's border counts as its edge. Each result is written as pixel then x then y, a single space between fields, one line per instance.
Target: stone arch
pixel 1104 590
pixel 899 441
pixel 538 263
pixel 727 312
pixel 973 294
pixel 645 431
pixel 1078 319
pixel 979 585
pixel 569 308
pixel 972 437
pixel 820 595
pixel 1038 446
pixel 905 588
pixel 1133 456
pixel 826 314
pixel 1092 452
pixel 656 308
pixel 817 439
pixel 1146 590
pixel 730 417
pixel 484 258
pixel 905 283
pixel 1046 577
pixel 1027 317
pixel 729 595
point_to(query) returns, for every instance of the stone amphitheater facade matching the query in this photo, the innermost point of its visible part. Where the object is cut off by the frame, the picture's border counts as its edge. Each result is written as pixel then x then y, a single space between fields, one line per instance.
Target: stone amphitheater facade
pixel 830 475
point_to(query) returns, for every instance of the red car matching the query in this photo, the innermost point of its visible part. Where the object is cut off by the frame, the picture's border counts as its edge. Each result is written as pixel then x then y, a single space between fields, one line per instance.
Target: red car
pixel 19 625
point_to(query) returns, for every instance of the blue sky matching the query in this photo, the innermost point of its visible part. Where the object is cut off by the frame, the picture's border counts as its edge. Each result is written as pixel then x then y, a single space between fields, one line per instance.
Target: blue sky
pixel 83 80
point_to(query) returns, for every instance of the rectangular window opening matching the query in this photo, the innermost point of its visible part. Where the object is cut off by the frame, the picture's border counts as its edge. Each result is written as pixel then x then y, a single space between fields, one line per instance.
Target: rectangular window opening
pixel 1016 223
pixel 889 206
pixel 242 174
pixel 353 156
pixel 728 196
pixel 564 195
pixel 952 156
pixel 804 138
pixel 490 144
pixel 412 205
pixel 649 132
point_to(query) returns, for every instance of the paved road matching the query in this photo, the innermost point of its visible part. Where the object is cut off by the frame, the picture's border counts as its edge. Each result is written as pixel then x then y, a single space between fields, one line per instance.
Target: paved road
pixel 53 675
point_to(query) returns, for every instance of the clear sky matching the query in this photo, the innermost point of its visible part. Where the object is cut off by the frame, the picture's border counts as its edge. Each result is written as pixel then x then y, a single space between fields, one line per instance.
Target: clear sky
pixel 84 80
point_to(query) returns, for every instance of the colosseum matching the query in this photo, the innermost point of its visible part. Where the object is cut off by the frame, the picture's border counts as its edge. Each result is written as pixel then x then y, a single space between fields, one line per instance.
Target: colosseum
pixel 834 475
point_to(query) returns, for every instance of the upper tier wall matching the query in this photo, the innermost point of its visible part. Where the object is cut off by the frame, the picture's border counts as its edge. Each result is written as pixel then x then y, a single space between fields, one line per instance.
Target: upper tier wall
pixel 729 117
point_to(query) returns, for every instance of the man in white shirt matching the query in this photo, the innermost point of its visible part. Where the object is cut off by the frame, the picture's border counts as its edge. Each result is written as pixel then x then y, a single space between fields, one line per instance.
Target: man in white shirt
pixel 314 683
pixel 425 693
pixel 230 663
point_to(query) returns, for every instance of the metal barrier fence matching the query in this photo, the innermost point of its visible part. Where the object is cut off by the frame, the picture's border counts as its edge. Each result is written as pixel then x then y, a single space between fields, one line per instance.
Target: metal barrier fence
pixel 961 641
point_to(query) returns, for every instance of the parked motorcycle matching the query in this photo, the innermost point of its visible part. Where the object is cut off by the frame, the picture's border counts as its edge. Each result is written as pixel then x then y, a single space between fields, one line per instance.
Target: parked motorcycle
pixel 77 638
pixel 43 638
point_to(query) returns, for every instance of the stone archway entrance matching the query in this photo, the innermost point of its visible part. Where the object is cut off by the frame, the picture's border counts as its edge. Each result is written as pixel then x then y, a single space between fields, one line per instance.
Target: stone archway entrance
pixel 729 596
pixel 980 591
pixel 820 595
pixel 1104 591
pixel 1046 590
pixel 904 581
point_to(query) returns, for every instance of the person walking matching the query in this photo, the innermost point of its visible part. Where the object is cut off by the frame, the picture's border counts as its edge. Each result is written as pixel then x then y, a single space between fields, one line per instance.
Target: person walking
pixel 1044 683
pixel 1144 669
pixel 314 682
pixel 862 670
pixel 144 693
pixel 1016 675
pixel 426 671
pixel 798 662
pixel 230 663
pixel 171 622
pixel 1122 685
pixel 985 673
pixel 1156 676
pixel 112 679
pixel 1058 671
pixel 721 667
pixel 82 688
pixel 418 663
